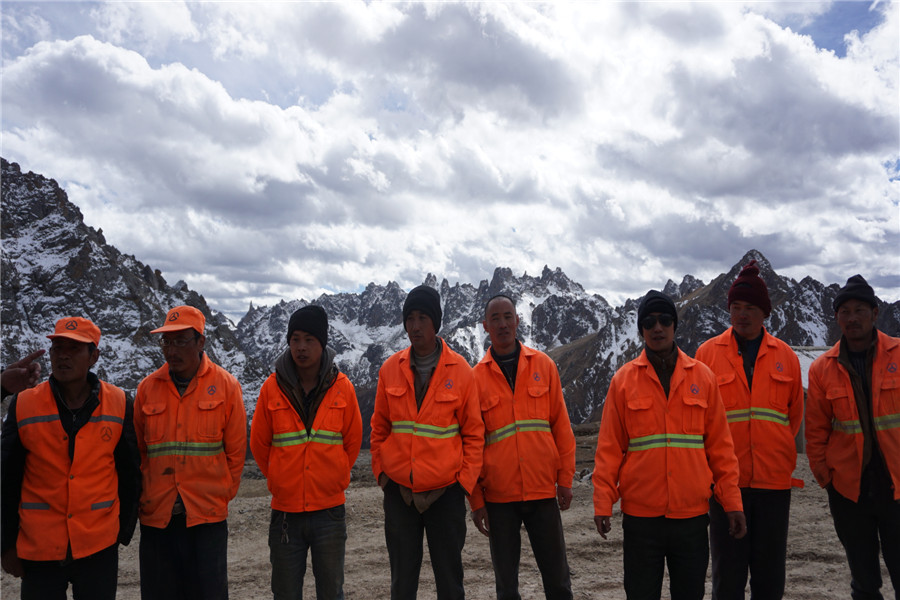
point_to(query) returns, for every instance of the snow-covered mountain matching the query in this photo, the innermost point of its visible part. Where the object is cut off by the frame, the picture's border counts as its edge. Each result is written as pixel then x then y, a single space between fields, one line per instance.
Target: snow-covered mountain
pixel 53 265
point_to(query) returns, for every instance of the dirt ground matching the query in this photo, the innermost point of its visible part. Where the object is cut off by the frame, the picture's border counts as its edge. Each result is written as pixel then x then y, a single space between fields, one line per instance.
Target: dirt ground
pixel 816 564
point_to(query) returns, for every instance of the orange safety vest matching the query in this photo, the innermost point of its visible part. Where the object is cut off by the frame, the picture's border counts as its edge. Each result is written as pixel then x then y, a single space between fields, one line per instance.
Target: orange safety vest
pixel 193 445
pixel 764 421
pixel 662 455
pixel 529 445
pixel 437 445
pixel 68 502
pixel 306 470
pixel 834 438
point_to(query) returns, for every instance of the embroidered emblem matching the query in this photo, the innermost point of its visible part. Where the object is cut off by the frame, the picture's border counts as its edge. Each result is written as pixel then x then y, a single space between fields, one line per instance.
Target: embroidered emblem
pixel 779 367
pixel 106 434
pixel 695 389
pixel 173 316
pixel 449 384
pixel 71 325
pixel 537 376
pixel 211 390
pixel 892 368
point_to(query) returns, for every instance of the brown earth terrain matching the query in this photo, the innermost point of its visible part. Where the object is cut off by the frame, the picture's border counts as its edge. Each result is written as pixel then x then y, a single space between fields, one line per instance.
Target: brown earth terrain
pixel 816 565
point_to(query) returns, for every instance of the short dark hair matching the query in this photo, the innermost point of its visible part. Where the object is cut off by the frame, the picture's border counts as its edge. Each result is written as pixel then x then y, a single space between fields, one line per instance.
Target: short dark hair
pixel 494 297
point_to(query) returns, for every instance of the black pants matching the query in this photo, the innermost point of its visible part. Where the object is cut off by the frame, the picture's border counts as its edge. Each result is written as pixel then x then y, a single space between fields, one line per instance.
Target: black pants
pixel 544 526
pixel 443 524
pixel 763 551
pixel 652 543
pixel 93 577
pixel 860 526
pixel 184 563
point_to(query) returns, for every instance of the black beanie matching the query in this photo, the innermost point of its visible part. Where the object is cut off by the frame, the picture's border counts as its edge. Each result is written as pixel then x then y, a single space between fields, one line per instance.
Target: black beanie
pixel 311 319
pixel 656 302
pixel 750 287
pixel 856 288
pixel 427 300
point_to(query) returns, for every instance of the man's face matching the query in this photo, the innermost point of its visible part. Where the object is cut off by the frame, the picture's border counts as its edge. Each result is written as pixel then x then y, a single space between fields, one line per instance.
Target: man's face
pixel 501 322
pixel 856 319
pixel 70 360
pixel 305 350
pixel 658 337
pixel 421 333
pixel 747 319
pixel 181 350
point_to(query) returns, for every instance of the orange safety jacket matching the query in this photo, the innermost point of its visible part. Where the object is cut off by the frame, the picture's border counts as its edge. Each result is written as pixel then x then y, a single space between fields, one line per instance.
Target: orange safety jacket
pixel 661 455
pixel 764 421
pixel 193 445
pixel 834 438
pixel 68 502
pixel 306 470
pixel 437 445
pixel 529 446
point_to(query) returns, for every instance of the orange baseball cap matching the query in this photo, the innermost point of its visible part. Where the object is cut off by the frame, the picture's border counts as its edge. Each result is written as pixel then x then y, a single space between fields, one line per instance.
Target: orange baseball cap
pixel 78 329
pixel 181 318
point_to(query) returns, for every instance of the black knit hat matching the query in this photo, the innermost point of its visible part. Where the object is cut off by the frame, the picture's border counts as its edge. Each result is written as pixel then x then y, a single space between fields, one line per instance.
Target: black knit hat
pixel 656 302
pixel 856 288
pixel 750 287
pixel 427 300
pixel 311 319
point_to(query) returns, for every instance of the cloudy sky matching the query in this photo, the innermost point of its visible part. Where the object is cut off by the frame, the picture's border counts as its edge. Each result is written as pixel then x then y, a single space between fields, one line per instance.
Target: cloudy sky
pixel 274 151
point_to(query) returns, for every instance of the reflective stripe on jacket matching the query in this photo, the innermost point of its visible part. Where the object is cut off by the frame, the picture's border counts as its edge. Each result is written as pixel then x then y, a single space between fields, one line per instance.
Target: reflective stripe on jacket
pixel 306 470
pixel 437 445
pixel 193 445
pixel 764 421
pixel 529 444
pixel 834 439
pixel 68 502
pixel 662 455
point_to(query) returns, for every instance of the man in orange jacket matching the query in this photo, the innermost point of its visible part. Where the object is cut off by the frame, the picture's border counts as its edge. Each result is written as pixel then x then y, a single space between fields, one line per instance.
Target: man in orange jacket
pixel 70 475
pixel 305 437
pixel 853 438
pixel 191 427
pixel 529 456
pixel 663 443
pixel 760 382
pixel 427 440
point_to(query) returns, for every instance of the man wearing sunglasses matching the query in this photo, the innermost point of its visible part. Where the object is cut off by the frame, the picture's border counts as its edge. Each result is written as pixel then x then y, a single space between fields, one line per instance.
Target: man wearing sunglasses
pixel 191 427
pixel 760 382
pixel 663 443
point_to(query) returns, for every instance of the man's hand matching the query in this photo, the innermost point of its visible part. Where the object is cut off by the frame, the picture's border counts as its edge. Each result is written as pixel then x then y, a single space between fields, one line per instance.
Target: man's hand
pixel 23 373
pixel 564 497
pixel 737 524
pixel 480 517
pixel 11 563
pixel 603 525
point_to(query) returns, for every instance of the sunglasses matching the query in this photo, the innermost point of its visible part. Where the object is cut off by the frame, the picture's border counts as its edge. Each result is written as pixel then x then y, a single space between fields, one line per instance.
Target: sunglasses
pixel 649 322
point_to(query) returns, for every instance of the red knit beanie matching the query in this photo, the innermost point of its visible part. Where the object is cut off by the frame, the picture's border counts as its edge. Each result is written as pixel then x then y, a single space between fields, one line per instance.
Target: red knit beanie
pixel 749 287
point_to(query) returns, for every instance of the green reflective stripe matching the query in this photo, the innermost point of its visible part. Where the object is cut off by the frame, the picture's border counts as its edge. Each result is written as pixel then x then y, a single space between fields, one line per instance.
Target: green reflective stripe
pixel 848 427
pixel 665 440
pixel 108 418
pixel 743 415
pixel 185 449
pixel 522 426
pixel 887 422
pixel 99 505
pixel 290 438
pixel 421 430
pixel 738 416
pixel 40 419
pixel 35 506
pixel 334 438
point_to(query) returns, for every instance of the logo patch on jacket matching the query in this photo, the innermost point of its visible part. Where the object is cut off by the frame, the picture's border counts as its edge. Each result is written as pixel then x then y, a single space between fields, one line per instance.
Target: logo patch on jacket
pixel 211 390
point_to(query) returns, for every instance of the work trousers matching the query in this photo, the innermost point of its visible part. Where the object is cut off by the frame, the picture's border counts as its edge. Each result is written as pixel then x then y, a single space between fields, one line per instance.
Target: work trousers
pixel 652 543
pixel 323 533
pixel 93 577
pixel 859 527
pixel 544 526
pixel 444 526
pixel 184 563
pixel 763 551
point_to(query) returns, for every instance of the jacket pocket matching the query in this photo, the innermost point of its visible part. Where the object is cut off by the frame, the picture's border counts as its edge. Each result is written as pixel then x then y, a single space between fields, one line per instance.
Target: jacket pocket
pixel 211 418
pixel 334 418
pixel 445 403
pixel 728 383
pixel 780 391
pixel 539 402
pixel 154 421
pixel 282 415
pixel 842 404
pixel 694 414
pixel 890 396
pixel 640 418
pixel 491 412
